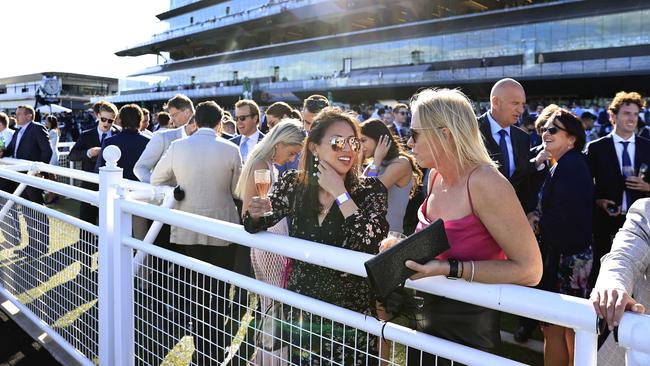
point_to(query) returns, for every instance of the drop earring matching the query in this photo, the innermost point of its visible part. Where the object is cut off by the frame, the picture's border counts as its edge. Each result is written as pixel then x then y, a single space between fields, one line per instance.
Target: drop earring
pixel 315 172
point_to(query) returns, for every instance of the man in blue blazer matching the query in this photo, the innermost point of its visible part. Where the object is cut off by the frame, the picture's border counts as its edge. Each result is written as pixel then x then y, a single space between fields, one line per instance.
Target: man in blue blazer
pixel 247 116
pixel 617 164
pixel 30 142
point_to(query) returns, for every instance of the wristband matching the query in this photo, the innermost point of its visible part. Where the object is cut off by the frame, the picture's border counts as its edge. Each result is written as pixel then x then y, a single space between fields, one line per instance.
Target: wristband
pixel 343 198
pixel 453 269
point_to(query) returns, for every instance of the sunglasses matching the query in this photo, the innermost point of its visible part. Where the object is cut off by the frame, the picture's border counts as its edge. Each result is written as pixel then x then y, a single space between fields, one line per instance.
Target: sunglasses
pixel 403 113
pixel 242 118
pixel 103 119
pixel 415 132
pixel 551 130
pixel 338 143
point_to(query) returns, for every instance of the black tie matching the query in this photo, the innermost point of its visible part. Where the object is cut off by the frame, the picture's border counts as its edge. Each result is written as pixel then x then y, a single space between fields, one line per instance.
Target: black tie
pixel 101 141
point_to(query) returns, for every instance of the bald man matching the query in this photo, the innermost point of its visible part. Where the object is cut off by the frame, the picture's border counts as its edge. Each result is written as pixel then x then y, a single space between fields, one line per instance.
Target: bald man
pixel 507 144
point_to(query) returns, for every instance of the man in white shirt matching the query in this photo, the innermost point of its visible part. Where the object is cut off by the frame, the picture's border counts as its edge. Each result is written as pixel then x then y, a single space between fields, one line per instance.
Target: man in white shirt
pixel 247 116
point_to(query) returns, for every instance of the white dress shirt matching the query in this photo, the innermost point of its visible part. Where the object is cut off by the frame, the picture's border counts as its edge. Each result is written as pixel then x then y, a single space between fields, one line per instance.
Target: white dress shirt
pixel 494 129
pixel 631 147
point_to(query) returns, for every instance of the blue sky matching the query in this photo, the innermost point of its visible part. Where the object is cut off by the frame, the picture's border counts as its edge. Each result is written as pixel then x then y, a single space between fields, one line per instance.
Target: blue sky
pixel 79 36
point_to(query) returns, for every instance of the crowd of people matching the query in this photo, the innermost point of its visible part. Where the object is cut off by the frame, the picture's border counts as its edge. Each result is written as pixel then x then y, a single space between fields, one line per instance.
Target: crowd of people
pixel 535 199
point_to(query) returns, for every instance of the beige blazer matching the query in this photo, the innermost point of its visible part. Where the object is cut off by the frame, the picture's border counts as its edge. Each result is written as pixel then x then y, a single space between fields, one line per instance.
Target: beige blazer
pixel 155 149
pixel 207 168
pixel 627 267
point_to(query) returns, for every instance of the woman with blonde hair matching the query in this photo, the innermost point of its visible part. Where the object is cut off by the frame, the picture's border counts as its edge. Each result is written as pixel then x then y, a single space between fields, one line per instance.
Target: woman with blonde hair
pixel 489 237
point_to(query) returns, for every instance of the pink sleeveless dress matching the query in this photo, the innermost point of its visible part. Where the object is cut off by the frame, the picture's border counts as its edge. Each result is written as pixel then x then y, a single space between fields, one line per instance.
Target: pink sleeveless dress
pixel 468 238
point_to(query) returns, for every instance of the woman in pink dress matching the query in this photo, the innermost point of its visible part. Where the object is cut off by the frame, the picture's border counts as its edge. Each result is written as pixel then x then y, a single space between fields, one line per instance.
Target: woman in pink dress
pixel 489 236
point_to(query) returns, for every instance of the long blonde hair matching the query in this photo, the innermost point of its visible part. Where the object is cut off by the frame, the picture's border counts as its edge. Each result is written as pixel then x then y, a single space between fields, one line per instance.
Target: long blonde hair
pixel 451 109
pixel 288 131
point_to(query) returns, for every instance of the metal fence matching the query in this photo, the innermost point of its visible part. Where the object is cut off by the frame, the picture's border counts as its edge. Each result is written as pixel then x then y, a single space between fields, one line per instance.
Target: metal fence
pixel 106 307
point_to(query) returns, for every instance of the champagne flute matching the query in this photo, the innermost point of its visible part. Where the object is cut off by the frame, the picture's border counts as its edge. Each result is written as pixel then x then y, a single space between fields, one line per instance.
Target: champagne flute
pixel 263 184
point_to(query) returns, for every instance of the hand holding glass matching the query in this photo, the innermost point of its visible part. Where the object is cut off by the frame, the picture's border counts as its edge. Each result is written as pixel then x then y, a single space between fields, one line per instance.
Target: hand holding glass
pixel 263 184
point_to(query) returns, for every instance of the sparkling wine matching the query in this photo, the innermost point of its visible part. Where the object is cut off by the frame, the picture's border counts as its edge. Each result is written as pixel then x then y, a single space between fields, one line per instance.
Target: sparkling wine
pixel 263 188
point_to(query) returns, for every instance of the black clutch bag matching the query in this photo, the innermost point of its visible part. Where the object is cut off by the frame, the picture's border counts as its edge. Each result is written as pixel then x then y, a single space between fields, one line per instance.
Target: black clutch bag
pixel 386 271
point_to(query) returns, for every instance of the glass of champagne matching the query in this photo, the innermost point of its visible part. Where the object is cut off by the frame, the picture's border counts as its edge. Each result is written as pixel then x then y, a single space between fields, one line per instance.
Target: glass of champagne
pixel 263 184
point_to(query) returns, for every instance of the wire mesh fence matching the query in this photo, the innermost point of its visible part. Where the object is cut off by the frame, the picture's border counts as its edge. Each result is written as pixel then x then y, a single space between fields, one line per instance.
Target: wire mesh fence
pixel 51 267
pixel 185 317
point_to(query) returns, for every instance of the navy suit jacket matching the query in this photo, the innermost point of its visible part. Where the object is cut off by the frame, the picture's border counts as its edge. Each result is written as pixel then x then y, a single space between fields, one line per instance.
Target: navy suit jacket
pixel 606 169
pixel 34 144
pixel 132 144
pixel 520 150
pixel 87 140
pixel 567 199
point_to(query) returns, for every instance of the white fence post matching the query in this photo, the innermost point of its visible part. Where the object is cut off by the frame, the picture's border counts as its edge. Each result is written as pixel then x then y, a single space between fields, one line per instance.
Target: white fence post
pixel 110 177
pixel 123 320
pixel 585 347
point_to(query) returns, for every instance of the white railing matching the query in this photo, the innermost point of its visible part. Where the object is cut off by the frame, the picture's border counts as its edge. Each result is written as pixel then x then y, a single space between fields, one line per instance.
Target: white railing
pixel 168 314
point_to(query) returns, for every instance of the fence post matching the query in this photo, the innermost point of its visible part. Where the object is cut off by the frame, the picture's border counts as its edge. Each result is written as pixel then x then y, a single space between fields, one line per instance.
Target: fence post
pixel 123 298
pixel 585 347
pixel 110 177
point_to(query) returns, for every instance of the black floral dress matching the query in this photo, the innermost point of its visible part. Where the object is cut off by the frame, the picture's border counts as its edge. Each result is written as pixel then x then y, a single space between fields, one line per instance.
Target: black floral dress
pixel 362 231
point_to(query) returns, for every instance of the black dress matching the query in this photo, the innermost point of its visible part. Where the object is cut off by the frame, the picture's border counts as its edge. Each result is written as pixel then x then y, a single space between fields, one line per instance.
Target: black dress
pixel 362 231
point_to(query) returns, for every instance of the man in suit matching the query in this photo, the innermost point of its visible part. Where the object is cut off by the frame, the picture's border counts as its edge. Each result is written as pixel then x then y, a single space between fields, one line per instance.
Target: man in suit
pixel 87 149
pixel 247 116
pixel 207 195
pixel 615 161
pixel 30 142
pixel 399 127
pixel 624 280
pixel 507 144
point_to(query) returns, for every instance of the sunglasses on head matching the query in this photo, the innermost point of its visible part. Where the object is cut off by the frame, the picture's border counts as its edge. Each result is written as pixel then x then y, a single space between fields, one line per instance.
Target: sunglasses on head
pixel 551 130
pixel 109 120
pixel 242 118
pixel 338 143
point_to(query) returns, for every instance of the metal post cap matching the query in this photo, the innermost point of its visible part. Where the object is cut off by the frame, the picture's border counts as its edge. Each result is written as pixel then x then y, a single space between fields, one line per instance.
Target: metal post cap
pixel 111 154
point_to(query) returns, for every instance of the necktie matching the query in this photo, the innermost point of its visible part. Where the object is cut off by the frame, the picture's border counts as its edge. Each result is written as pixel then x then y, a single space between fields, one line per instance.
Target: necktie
pixel 503 146
pixel 628 170
pixel 16 135
pixel 101 141
pixel 243 148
